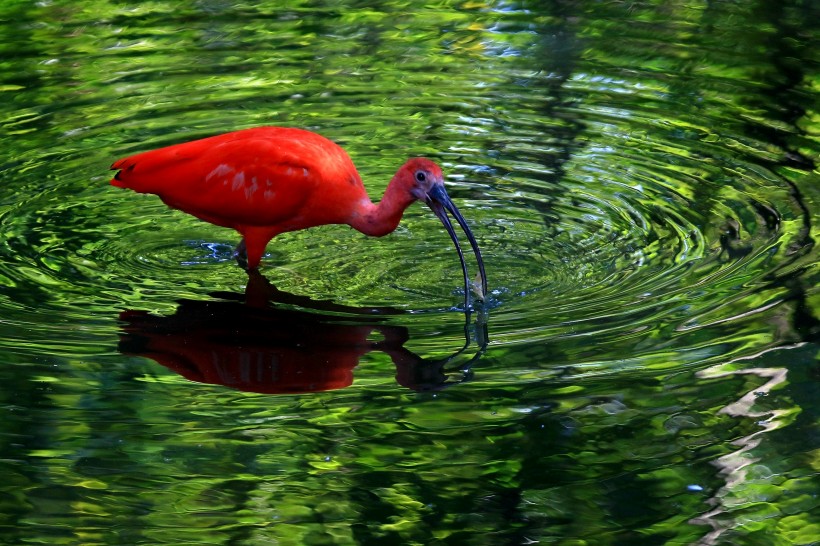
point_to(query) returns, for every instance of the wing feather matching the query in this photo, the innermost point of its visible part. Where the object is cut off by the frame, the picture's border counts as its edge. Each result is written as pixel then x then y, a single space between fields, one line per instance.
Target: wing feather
pixel 262 176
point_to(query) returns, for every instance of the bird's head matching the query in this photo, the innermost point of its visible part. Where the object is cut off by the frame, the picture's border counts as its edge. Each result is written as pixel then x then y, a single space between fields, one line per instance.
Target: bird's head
pixel 425 182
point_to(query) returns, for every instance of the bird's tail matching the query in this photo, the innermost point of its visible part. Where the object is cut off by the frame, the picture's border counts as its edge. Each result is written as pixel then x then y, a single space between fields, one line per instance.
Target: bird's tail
pixel 123 167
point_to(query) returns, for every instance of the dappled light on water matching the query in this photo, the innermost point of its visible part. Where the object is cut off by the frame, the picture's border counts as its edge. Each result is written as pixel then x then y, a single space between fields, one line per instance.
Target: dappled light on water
pixel 641 180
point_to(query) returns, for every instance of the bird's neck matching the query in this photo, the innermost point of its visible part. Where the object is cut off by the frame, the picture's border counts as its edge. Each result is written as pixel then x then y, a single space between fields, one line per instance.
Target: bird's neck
pixel 382 218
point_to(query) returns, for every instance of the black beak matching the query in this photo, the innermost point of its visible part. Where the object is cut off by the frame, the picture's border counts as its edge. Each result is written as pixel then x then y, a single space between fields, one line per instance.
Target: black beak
pixel 438 200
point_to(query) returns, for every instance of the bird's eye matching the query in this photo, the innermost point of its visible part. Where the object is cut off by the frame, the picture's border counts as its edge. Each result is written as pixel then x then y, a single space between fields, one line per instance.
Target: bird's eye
pixel 421 176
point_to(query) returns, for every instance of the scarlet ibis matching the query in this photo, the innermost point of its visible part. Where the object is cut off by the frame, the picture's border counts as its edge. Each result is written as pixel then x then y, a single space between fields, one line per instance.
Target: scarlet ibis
pixel 269 180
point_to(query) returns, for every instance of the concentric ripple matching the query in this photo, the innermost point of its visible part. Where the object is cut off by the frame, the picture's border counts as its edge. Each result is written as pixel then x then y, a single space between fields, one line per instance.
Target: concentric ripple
pixel 597 218
pixel 653 223
pixel 642 182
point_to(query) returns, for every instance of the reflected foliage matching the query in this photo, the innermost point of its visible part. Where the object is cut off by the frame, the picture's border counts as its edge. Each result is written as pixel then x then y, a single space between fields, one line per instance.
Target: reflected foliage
pixel 642 179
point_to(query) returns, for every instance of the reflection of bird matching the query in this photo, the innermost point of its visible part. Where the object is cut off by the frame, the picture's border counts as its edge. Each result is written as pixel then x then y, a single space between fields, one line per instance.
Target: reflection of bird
pixel 270 180
pixel 259 347
pixel 245 348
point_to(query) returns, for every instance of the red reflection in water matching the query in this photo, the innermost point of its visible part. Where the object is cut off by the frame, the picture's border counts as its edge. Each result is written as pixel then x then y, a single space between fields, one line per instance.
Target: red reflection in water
pixel 249 343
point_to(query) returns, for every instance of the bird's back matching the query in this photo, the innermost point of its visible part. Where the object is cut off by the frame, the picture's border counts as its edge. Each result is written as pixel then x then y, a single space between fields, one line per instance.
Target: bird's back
pixel 263 176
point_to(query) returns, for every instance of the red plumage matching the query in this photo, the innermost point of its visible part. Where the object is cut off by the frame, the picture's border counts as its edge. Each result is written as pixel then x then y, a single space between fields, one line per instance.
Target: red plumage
pixel 269 180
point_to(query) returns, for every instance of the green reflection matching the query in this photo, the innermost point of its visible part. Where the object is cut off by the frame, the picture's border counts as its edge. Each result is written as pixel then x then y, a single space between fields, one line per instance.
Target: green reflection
pixel 641 177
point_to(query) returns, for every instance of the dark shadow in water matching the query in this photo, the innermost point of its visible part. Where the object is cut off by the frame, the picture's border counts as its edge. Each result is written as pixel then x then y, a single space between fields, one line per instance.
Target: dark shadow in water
pixel 258 342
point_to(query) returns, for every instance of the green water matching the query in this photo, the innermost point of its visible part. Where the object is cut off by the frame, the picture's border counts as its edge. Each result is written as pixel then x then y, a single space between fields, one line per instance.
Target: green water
pixel 642 179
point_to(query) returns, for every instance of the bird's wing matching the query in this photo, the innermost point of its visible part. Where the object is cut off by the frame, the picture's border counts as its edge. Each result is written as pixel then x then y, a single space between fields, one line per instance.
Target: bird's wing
pixel 243 178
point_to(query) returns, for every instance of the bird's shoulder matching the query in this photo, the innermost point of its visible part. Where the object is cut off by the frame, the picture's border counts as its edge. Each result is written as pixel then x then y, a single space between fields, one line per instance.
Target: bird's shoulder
pixel 288 155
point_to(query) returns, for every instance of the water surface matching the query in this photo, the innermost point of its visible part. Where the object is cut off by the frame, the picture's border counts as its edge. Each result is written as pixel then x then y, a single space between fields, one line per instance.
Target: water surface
pixel 642 181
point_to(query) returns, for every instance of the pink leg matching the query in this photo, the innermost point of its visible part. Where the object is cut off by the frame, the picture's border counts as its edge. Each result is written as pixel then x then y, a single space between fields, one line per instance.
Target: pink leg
pixel 252 246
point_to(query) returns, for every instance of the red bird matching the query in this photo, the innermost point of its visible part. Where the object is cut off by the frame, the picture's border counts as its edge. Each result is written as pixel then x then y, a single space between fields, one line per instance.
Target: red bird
pixel 269 180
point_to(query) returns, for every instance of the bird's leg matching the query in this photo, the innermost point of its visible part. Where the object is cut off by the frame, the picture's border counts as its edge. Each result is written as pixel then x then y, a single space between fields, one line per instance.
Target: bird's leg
pixel 241 254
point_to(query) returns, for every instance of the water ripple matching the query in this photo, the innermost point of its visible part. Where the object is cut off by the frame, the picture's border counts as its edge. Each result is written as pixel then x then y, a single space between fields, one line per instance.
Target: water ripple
pixel 640 178
pixel 604 204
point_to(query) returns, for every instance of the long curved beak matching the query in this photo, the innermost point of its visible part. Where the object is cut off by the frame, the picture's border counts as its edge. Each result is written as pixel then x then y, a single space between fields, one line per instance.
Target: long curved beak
pixel 438 200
